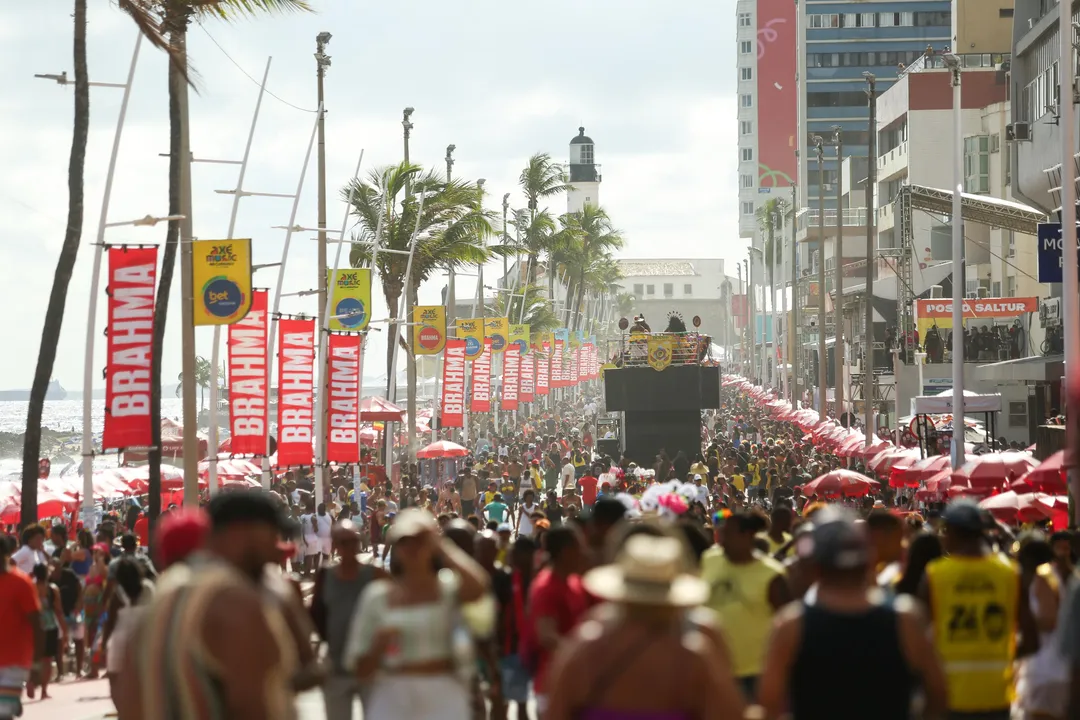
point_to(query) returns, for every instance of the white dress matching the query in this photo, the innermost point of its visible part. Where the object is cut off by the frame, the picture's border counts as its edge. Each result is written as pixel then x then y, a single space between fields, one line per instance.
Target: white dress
pixel 525 522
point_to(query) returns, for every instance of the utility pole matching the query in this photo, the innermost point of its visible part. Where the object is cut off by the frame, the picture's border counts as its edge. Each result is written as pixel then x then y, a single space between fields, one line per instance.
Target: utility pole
pixel 838 306
pixel 751 298
pixel 958 261
pixel 742 315
pixel 795 346
pixel 187 295
pixel 868 338
pixel 506 238
pixel 451 299
pixel 410 292
pixel 823 378
pixel 322 62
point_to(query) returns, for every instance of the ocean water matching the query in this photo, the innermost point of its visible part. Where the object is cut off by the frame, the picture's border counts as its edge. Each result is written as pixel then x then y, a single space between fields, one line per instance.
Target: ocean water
pixel 66 415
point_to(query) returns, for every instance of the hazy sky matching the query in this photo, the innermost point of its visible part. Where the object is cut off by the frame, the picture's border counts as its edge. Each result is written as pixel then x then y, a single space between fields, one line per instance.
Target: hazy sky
pixel 652 82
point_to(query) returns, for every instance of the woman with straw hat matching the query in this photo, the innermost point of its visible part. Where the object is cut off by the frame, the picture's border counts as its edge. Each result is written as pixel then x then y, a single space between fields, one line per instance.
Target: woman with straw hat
pixel 639 661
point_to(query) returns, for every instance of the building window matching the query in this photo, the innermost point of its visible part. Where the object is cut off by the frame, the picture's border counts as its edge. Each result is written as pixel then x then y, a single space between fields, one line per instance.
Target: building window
pixel 995 289
pixel 669 290
pixel 746 181
pixel 650 289
pixel 823 20
pixel 1018 414
pixel 746 73
pixel 747 208
pixel 977 164
pixel 746 127
pixel 746 101
pixel 586 154
pixel 744 19
pixel 687 289
pixel 1010 286
pixel 836 99
pixel 933 19
pixel 1012 244
pixel 746 47
pixel 1005 13
pixel 747 154
pixel 639 289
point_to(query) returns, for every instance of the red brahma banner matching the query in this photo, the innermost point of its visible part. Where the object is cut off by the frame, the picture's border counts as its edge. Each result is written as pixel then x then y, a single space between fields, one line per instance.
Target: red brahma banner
pixel 481 380
pixel 296 380
pixel 557 361
pixel 132 274
pixel 543 371
pixel 452 405
pixel 528 378
pixel 343 395
pixel 511 377
pixel 249 380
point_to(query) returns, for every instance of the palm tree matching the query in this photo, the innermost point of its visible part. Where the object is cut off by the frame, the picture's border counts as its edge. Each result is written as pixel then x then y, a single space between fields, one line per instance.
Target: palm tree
pixel 541 179
pixel 202 380
pixel 539 313
pixel 54 314
pixel 164 23
pixel 451 232
pixel 768 219
pixel 597 238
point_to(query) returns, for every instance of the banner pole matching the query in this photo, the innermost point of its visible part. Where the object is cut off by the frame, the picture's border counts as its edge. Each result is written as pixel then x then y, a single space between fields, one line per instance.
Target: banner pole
pixel 91 306
pixel 215 352
pixel 324 364
pixel 272 338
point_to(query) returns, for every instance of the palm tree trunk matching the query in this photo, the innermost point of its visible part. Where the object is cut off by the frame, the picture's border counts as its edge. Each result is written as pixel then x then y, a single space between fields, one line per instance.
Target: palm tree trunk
pixel 392 300
pixel 176 22
pixel 54 315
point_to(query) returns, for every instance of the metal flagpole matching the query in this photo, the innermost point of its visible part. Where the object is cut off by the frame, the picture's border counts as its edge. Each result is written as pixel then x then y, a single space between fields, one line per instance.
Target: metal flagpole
pixel 277 290
pixel 958 261
pixel 215 353
pixel 91 309
pixel 374 256
pixel 324 361
pixel 393 336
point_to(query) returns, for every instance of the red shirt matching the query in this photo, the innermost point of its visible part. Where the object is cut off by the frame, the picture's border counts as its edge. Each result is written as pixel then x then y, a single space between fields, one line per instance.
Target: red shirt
pixel 588 489
pixel 142 531
pixel 18 598
pixel 561 599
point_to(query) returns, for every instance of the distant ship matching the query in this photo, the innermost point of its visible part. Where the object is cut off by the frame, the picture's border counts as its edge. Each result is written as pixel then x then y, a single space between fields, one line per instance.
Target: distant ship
pixel 55 392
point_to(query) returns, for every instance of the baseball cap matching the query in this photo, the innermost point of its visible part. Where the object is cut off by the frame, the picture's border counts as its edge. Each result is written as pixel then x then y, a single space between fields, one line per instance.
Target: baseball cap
pixel 964 515
pixel 180 533
pixel 245 507
pixel 410 523
pixel 838 542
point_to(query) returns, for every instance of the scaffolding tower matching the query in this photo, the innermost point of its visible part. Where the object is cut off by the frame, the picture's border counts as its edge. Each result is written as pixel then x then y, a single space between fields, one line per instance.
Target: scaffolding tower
pixel 982 209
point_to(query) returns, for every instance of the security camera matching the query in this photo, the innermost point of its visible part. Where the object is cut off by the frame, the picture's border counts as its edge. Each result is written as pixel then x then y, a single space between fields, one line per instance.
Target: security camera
pixel 450 148
pixel 323 38
pixel 408 111
pixel 951 61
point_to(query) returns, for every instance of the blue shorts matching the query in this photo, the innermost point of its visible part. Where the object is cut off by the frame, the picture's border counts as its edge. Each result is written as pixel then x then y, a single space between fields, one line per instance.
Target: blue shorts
pixel 515 679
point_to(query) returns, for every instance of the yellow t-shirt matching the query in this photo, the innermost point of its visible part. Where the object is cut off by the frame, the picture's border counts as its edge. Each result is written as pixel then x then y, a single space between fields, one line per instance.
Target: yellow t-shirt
pixel 739 482
pixel 739 595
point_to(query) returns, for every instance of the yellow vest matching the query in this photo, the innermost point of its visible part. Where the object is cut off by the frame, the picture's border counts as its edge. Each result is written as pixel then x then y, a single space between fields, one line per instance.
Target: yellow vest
pixel 739 595
pixel 975 604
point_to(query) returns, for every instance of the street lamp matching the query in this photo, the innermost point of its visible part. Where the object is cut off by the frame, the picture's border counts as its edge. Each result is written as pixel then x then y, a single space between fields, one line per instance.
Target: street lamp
pixel 819 148
pixel 868 336
pixel 62 79
pixel 952 62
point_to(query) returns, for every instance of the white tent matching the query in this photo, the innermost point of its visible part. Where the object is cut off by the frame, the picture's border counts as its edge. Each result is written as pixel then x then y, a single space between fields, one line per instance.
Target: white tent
pixel 942 403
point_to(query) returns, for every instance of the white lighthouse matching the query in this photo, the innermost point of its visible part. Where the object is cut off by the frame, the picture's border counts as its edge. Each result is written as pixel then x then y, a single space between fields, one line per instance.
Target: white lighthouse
pixel 584 174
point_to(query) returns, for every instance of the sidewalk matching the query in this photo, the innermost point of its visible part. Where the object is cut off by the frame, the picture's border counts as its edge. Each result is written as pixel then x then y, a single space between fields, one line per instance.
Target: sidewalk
pixel 89 700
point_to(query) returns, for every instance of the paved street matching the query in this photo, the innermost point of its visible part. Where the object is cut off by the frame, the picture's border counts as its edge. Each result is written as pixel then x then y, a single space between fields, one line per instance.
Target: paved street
pixel 89 700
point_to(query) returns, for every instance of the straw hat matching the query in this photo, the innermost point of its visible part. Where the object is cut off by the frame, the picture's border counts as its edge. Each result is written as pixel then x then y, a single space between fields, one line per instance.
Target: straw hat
pixel 646 572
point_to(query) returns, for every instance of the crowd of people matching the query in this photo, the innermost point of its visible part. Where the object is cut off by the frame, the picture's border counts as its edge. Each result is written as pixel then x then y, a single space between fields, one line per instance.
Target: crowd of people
pixel 544 578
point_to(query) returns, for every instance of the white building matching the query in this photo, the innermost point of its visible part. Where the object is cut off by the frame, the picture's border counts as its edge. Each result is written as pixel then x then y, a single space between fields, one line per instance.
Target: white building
pixel 690 287
pixel 584 174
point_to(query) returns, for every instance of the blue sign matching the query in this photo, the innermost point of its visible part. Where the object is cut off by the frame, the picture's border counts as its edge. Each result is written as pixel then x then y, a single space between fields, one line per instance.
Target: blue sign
pixel 350 312
pixel 1050 255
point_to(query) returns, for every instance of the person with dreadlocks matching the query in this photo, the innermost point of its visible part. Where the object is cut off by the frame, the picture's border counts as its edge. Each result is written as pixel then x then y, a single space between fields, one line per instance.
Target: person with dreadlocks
pixel 684 349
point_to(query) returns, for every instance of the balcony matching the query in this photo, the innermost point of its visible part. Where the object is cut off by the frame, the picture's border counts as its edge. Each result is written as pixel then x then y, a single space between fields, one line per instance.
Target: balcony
pixel 851 217
pixel 892 162
pixel 967 60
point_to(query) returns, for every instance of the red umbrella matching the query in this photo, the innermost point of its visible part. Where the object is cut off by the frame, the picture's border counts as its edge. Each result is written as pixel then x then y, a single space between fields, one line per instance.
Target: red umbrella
pixel 876 446
pixel 1010 506
pixel 884 461
pixel 993 470
pixel 1048 477
pixel 925 469
pixel 441 449
pixel 373 409
pixel 840 482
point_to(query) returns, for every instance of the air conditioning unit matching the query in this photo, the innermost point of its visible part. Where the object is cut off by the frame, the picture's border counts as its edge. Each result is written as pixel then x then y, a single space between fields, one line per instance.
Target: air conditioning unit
pixel 937 291
pixel 827 187
pixel 1020 131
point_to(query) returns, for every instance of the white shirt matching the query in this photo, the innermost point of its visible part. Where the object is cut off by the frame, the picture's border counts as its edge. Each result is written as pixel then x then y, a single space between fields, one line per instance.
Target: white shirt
pixel 567 475
pixel 525 523
pixel 26 558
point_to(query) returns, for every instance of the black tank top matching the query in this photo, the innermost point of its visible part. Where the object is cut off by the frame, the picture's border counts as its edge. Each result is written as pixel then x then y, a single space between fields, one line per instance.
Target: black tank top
pixel 850 667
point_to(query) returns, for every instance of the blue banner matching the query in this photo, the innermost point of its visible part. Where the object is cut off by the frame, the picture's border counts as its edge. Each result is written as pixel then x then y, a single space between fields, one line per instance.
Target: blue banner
pixel 1050 253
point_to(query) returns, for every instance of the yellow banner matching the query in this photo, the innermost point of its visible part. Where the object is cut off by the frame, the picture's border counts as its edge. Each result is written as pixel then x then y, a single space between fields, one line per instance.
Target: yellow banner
pixel 661 348
pixel 429 329
pixel 498 329
pixel 472 332
pixel 221 280
pixel 519 335
pixel 350 299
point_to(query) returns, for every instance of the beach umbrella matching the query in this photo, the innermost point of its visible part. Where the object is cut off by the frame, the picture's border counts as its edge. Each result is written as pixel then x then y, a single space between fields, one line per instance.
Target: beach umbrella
pixel 441 449
pixel 1011 506
pixel 993 470
pixel 846 483
pixel 1047 477
pixel 883 462
pixel 377 408
pixel 912 475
